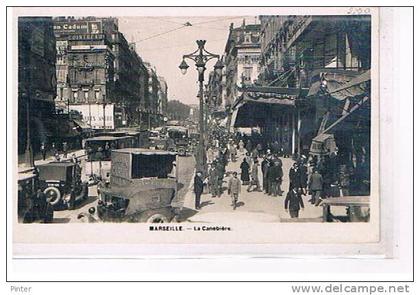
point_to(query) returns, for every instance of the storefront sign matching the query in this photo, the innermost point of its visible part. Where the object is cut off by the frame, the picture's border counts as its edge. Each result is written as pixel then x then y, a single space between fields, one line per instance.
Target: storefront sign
pixel 93 115
pixel 78 27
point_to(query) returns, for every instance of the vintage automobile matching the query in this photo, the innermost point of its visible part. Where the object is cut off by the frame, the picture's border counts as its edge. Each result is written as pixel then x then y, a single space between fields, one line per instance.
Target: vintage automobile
pixel 157 140
pixel 30 208
pixel 142 186
pixel 60 181
pixel 179 135
pixel 357 208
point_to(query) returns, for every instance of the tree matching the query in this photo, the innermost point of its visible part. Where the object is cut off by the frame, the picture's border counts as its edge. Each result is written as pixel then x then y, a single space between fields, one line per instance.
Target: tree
pixel 177 110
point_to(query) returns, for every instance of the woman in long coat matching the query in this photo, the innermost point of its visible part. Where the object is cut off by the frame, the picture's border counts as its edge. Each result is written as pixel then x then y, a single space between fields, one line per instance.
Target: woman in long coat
pixel 245 172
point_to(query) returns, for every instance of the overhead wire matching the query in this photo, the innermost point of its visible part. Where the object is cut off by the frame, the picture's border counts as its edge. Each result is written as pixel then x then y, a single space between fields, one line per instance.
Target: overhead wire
pixel 187 24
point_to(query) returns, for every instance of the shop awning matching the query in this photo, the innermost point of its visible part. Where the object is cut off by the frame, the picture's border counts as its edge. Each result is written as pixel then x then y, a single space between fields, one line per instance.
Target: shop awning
pixel 342 85
pixel 252 108
pixel 323 144
pixel 82 124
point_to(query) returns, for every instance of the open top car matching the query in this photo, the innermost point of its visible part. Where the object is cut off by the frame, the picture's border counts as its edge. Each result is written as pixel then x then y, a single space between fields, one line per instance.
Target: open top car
pixel 142 186
pixel 61 183
pixel 179 135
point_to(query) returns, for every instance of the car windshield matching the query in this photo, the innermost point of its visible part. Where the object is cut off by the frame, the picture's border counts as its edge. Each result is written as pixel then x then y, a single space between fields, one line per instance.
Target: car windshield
pixel 116 203
pixel 55 172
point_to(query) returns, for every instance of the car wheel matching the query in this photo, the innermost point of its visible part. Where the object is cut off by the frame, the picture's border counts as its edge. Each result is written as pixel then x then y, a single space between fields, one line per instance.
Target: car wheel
pixel 53 195
pixel 157 218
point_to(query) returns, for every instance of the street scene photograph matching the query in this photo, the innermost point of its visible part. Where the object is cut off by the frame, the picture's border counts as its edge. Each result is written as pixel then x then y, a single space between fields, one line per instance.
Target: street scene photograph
pixel 193 119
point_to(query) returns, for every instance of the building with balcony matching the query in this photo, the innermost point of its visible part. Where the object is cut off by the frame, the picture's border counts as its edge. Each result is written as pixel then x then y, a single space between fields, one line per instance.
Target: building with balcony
pixel 99 73
pixel 241 57
pixel 163 96
pixel 152 102
pixel 314 85
pixel 36 83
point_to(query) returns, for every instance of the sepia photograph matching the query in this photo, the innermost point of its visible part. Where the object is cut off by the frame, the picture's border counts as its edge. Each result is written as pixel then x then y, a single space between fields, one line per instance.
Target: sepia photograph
pixel 209 144
pixel 178 124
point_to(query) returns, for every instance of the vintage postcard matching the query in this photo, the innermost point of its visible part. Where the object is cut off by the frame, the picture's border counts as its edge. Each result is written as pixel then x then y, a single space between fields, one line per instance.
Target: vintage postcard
pixel 196 126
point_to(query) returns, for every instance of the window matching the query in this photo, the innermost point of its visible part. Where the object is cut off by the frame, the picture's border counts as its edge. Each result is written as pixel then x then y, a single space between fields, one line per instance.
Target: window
pixel 75 95
pixel 247 75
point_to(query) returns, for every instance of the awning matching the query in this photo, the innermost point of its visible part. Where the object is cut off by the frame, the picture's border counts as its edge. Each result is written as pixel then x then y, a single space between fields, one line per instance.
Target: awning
pixel 342 85
pixel 323 144
pixel 82 124
pixel 251 109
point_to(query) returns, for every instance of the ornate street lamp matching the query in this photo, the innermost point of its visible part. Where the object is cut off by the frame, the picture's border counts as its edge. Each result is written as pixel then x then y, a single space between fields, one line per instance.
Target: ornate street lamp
pixel 200 57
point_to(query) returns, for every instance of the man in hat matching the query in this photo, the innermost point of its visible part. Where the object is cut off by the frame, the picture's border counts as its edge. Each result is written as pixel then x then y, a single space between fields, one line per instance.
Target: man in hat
pixel 254 177
pixel 43 151
pixel 234 189
pixel 294 177
pixel 316 184
pixel 198 189
pixel 293 202
pixel 213 181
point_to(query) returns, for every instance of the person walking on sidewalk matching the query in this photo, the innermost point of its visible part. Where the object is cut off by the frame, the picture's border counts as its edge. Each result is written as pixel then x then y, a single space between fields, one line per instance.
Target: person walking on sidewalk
pixel 65 149
pixel 241 146
pixel 198 189
pixel 245 172
pixel 53 149
pixel 43 151
pixel 249 146
pixel 213 181
pixel 254 177
pixel 303 174
pixel 294 177
pixel 234 189
pixel 275 175
pixel 315 187
pixel 293 202
pixel 265 165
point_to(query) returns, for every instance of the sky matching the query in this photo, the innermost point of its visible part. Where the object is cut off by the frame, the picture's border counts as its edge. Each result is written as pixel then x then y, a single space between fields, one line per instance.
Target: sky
pixel 163 41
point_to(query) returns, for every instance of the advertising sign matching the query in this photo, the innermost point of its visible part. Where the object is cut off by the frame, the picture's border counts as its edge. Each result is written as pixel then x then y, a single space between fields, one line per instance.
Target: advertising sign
pixel 78 27
pixel 93 115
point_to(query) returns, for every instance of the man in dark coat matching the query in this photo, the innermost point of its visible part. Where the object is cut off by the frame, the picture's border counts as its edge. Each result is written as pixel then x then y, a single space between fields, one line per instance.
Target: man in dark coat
pixel 315 186
pixel 293 202
pixel 43 151
pixel 294 177
pixel 213 181
pixel 265 164
pixel 303 174
pixel 245 172
pixel 198 189
pixel 248 146
pixel 275 175
pixel 65 149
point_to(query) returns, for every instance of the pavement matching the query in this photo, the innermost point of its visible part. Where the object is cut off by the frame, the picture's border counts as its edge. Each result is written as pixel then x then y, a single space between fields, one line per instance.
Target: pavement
pixel 253 206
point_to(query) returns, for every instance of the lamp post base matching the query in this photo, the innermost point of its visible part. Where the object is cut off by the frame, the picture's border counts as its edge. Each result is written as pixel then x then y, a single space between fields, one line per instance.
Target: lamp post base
pixel 29 157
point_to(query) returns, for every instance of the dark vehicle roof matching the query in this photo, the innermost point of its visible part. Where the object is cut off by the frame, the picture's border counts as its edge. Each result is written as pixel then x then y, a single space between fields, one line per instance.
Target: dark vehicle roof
pixel 143 151
pixel 177 128
pixel 56 171
pixel 107 138
pixel 57 164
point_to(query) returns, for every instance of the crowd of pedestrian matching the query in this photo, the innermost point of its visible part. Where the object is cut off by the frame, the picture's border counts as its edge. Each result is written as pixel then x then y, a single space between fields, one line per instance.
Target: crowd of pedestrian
pixel 311 177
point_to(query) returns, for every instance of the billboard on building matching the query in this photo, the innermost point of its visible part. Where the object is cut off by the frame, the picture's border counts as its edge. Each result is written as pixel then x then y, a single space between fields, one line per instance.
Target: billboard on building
pixel 93 115
pixel 78 27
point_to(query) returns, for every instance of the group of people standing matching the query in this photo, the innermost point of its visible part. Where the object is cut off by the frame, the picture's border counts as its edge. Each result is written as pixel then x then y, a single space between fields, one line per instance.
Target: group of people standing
pixel 307 177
